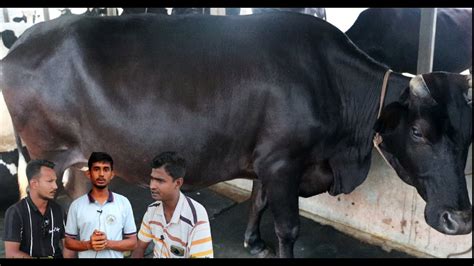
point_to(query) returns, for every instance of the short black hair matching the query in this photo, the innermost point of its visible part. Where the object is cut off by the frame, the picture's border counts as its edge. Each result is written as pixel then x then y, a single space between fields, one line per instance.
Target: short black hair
pixel 174 165
pixel 100 157
pixel 34 167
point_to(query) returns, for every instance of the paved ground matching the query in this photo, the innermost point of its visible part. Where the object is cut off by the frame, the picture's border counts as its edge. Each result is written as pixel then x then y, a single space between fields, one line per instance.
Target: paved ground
pixel 228 221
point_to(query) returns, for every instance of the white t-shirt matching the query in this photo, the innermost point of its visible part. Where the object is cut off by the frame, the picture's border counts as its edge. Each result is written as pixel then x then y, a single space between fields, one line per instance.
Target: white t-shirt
pixel 115 218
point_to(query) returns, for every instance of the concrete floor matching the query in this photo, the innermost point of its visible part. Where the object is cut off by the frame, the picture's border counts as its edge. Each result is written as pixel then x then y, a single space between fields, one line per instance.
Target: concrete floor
pixel 229 219
pixel 228 222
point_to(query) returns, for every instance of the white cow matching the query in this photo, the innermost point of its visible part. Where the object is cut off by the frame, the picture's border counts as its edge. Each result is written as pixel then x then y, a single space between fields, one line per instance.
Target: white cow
pixel 7 137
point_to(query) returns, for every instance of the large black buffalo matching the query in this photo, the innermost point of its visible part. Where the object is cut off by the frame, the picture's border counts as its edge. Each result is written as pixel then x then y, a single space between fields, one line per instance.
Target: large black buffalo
pixel 391 36
pixel 282 98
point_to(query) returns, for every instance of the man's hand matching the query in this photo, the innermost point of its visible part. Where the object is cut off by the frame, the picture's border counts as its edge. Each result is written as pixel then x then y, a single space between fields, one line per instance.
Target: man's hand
pixel 98 240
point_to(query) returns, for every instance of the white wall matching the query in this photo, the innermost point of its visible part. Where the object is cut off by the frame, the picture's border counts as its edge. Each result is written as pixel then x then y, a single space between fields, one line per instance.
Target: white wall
pixel 342 18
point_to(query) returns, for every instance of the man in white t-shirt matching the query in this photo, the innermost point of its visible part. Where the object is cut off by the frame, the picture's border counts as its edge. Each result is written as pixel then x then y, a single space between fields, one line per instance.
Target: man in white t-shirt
pixel 100 224
pixel 178 225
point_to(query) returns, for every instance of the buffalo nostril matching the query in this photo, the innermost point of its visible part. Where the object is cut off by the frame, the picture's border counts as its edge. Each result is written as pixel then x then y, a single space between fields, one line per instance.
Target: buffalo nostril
pixel 450 225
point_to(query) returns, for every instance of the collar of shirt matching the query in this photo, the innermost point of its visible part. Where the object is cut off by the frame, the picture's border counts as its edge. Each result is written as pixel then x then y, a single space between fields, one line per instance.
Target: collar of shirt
pixel 92 200
pixel 176 213
pixel 33 205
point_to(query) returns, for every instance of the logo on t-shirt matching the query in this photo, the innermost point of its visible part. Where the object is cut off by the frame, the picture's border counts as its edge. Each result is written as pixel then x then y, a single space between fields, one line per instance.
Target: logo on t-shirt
pixel 55 229
pixel 110 219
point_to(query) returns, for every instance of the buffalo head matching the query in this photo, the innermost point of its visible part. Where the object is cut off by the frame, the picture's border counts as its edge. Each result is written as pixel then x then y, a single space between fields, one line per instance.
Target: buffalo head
pixel 426 136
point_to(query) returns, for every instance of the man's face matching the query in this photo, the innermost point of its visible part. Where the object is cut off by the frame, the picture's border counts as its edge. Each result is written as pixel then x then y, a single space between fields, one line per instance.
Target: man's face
pixel 100 174
pixel 45 185
pixel 162 186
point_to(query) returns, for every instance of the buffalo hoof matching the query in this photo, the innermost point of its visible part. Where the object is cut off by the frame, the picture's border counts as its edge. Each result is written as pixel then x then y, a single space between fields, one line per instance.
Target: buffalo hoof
pixel 266 253
pixel 259 249
pixel 255 247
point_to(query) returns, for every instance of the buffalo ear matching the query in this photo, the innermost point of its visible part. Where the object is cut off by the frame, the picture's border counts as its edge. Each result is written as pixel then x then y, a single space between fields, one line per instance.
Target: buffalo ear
pixel 390 117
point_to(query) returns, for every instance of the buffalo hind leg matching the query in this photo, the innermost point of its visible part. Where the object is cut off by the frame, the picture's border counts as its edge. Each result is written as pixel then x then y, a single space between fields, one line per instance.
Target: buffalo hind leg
pixel 77 182
pixel 258 200
pixel 75 185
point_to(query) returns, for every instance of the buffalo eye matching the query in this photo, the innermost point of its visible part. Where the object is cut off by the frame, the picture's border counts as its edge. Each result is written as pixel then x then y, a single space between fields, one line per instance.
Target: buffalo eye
pixel 416 133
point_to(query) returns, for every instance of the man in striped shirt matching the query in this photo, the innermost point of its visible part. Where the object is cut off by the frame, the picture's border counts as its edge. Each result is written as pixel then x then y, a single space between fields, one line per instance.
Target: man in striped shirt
pixel 177 225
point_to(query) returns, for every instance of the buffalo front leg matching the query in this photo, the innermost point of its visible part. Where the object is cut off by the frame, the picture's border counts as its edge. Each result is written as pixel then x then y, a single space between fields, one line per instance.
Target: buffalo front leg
pixel 284 206
pixel 281 182
pixel 258 201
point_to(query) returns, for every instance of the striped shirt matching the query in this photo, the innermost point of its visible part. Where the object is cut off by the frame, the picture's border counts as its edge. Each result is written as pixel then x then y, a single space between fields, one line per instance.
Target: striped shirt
pixel 114 218
pixel 39 235
pixel 187 235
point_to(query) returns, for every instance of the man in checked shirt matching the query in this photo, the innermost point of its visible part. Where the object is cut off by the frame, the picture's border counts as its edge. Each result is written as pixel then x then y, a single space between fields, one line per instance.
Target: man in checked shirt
pixel 178 225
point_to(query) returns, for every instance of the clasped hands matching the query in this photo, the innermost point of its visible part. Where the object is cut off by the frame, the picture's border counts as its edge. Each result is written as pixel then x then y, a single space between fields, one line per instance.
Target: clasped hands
pixel 98 240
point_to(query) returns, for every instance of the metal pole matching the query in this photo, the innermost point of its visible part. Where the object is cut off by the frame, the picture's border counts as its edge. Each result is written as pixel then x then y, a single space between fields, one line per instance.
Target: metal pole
pixel 427 40
pixel 46 14
pixel 5 15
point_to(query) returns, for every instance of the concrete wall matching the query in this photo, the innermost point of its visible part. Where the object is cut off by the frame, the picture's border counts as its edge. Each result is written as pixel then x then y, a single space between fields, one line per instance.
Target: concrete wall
pixel 383 211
